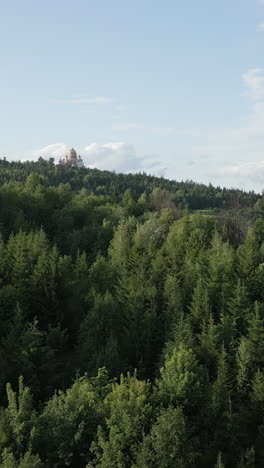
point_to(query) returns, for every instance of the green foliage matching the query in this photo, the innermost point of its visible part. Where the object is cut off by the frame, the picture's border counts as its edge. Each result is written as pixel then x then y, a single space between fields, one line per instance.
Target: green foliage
pixel 27 461
pixel 258 387
pixel 219 463
pixel 200 308
pixel 220 389
pixel 19 419
pixel 128 418
pixel 180 382
pixel 65 429
pixel 167 445
pixel 248 460
pixel 244 362
pixel 129 272
pixel 99 334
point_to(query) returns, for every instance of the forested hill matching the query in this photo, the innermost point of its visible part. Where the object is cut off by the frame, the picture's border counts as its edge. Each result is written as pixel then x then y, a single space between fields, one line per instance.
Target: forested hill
pixel 132 321
pixel 187 194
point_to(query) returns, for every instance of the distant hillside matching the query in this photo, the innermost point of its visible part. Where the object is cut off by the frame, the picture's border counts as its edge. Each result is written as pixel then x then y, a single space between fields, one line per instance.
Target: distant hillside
pixel 188 194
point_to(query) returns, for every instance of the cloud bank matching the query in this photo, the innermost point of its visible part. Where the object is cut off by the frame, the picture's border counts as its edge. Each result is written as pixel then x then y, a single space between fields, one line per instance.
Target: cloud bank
pixel 117 156
pixel 235 156
pixel 254 83
pixel 55 150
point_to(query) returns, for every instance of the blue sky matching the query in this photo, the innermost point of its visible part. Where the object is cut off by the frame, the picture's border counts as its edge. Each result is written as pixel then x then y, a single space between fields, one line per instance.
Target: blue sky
pixel 170 87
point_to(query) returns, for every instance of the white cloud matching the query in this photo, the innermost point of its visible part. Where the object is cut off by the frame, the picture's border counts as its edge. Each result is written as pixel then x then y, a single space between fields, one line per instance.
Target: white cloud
pixel 245 169
pixel 245 175
pixel 115 156
pixel 55 150
pixel 82 100
pixel 260 27
pixel 235 156
pixel 254 83
pixel 118 156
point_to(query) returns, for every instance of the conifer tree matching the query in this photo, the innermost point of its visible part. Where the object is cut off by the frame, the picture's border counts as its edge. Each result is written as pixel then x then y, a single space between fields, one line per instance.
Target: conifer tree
pixel 220 389
pixel 248 256
pixel 128 418
pixel 25 461
pixel 20 416
pixel 248 459
pixel 200 307
pixel 258 389
pixel 180 383
pixel 256 337
pixel 174 302
pixel 168 444
pixel 209 344
pixel 67 425
pixel 239 307
pixel 221 273
pixel 219 463
pixel 244 363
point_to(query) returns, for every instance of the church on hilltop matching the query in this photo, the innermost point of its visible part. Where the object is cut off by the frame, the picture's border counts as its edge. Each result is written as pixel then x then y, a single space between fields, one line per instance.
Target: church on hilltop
pixel 71 159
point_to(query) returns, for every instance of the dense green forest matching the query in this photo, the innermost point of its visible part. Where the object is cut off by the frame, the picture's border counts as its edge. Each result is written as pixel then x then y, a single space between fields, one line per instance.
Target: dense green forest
pixel 132 321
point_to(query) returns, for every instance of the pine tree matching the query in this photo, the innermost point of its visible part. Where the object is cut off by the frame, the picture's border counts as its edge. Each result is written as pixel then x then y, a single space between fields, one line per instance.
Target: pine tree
pixel 68 423
pixel 81 267
pixel 244 363
pixel 248 255
pixel 174 303
pixel 248 459
pixel 99 334
pixel 209 344
pixel 256 337
pixel 180 383
pixel 220 389
pixel 200 307
pixel 20 416
pixel 219 463
pixel 258 388
pixel 128 419
pixel 168 443
pixel 239 307
pixel 221 274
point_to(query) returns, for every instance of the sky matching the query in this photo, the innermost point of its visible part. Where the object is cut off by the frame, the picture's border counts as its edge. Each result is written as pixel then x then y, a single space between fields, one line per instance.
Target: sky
pixel 173 88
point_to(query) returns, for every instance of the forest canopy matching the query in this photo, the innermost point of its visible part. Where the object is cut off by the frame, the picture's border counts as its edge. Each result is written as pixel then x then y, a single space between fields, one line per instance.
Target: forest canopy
pixel 132 321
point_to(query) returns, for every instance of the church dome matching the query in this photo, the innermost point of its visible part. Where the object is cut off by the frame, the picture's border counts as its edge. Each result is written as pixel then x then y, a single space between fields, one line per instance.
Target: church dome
pixel 72 154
